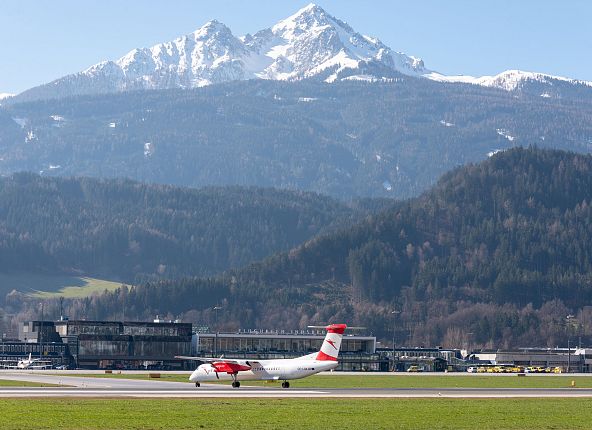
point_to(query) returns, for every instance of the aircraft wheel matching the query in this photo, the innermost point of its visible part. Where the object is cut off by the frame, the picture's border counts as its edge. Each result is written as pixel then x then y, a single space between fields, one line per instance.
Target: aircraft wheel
pixel 235 384
pixel 197 384
pixel 285 384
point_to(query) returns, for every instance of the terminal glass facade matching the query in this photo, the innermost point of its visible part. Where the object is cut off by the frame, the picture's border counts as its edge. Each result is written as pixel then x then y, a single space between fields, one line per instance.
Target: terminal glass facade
pixel 211 343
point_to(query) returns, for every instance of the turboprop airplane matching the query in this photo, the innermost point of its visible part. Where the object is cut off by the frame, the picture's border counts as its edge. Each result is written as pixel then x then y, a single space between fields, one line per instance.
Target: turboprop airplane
pixel 221 369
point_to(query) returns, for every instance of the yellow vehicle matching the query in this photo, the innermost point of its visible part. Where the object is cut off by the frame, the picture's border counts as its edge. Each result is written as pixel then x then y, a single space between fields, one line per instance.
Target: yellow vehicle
pixel 414 369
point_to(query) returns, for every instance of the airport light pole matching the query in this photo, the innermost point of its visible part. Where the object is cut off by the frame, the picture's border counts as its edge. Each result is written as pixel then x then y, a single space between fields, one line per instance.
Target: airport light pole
pixel 216 309
pixel 40 339
pixel 569 319
pixel 394 314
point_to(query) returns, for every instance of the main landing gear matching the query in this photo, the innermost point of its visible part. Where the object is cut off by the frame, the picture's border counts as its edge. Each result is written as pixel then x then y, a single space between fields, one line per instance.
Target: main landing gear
pixel 285 384
pixel 197 384
pixel 235 383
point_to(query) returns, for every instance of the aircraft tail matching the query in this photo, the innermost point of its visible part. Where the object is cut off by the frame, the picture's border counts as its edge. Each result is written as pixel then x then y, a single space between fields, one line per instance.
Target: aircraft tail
pixel 330 347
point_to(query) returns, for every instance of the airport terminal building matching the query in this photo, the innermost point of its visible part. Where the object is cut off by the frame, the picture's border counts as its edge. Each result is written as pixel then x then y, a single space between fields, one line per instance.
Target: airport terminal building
pixel 154 345
pixel 106 344
pixel 358 353
pixel 146 345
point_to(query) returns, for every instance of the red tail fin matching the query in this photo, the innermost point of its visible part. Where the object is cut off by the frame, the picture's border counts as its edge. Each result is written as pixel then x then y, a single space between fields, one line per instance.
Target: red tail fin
pixel 330 347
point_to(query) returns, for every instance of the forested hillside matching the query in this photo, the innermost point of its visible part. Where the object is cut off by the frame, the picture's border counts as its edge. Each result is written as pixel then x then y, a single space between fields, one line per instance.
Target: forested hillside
pixel 124 230
pixel 389 139
pixel 495 254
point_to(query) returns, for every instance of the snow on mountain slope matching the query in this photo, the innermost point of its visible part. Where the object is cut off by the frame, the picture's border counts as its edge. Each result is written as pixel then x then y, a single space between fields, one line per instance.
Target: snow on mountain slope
pixel 309 44
pixel 510 80
pixel 311 41
pixel 5 95
pixel 210 54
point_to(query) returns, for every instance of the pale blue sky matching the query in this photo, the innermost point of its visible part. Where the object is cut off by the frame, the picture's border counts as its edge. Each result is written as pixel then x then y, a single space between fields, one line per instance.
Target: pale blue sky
pixel 41 40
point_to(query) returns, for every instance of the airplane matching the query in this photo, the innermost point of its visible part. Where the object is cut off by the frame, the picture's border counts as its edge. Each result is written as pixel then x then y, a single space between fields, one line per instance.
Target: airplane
pixel 285 369
pixel 32 363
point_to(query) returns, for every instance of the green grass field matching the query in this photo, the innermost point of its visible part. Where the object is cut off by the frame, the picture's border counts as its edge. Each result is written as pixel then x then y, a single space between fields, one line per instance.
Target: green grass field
pixel 371 414
pixel 9 383
pixel 49 286
pixel 401 380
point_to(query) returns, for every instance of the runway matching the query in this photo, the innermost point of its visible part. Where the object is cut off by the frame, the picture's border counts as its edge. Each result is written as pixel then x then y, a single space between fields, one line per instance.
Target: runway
pixel 81 386
pixel 252 392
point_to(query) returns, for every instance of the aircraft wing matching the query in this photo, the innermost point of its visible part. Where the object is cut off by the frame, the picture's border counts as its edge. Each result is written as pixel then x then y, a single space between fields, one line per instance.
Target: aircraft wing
pixel 209 359
pixel 227 365
pixel 216 360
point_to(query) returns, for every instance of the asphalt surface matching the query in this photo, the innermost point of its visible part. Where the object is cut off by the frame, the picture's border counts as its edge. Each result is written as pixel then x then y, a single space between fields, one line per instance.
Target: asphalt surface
pixel 82 386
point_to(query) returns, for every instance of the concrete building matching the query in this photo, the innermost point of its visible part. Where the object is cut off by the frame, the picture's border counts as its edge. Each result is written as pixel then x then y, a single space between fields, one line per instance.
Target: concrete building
pixel 109 344
pixel 574 360
pixel 424 359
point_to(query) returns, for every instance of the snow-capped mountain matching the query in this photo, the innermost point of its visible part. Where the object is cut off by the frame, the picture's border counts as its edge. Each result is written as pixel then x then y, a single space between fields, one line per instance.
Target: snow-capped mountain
pixel 5 96
pixel 309 44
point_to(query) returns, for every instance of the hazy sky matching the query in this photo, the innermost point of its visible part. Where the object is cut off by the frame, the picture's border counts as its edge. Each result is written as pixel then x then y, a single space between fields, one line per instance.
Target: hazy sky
pixel 42 40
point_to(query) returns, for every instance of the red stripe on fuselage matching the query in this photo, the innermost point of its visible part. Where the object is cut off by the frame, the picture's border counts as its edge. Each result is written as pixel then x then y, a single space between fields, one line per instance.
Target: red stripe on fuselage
pixel 321 356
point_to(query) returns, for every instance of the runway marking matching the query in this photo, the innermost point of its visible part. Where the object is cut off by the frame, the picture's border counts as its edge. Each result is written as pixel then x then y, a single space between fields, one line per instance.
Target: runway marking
pixel 113 393
pixel 151 393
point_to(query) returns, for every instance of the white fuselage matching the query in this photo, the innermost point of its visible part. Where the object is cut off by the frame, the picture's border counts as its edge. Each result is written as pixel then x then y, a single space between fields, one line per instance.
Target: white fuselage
pixel 266 370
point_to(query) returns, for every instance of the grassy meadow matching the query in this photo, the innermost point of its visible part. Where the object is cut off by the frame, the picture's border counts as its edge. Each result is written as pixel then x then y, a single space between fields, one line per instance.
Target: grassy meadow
pixel 10 383
pixel 179 414
pixel 50 286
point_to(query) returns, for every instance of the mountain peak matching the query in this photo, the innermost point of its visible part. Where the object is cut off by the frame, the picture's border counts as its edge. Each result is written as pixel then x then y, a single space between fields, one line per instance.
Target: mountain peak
pixel 306 19
pixel 311 9
pixel 210 28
